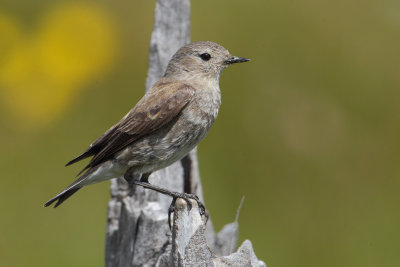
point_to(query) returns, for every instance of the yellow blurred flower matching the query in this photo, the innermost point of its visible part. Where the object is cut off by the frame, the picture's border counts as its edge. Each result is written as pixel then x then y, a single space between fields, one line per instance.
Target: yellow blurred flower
pixel 41 74
pixel 10 36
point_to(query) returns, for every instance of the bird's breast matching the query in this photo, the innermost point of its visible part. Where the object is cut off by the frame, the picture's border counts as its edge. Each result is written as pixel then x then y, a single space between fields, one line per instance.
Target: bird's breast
pixel 204 107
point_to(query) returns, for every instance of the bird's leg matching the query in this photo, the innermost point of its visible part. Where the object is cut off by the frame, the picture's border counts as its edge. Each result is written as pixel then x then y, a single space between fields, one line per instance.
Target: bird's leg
pixel 175 195
pixel 186 197
pixel 144 182
pixel 130 178
pixel 145 177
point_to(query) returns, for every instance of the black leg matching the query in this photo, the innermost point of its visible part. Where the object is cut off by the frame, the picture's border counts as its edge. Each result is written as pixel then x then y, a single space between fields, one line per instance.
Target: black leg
pixel 171 209
pixel 174 196
pixel 145 177
pixel 131 178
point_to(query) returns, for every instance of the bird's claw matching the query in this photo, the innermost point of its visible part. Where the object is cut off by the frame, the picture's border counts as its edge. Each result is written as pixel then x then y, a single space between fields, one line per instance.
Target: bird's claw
pixel 186 197
pixel 171 209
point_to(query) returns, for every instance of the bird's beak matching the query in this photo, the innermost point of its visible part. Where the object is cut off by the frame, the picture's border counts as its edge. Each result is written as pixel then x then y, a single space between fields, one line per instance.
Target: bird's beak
pixel 234 59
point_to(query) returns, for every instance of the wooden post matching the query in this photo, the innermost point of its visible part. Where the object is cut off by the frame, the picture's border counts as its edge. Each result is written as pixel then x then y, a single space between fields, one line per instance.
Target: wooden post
pixel 137 226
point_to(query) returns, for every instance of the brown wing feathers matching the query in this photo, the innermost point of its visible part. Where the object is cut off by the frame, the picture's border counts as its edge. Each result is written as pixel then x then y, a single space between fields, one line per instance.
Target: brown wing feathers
pixel 96 147
pixel 153 111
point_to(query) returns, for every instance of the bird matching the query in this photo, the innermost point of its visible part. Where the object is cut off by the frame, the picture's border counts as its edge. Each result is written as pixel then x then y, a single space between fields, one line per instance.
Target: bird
pixel 172 117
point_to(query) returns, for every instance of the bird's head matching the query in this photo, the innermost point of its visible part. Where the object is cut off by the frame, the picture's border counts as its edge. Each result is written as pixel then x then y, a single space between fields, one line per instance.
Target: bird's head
pixel 201 59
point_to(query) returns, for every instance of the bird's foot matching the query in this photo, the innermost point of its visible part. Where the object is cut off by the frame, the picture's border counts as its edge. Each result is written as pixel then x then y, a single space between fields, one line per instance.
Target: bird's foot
pixel 175 196
pixel 187 197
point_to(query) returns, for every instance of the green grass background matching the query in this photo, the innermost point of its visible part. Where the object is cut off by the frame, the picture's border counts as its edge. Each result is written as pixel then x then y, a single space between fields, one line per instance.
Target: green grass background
pixel 308 131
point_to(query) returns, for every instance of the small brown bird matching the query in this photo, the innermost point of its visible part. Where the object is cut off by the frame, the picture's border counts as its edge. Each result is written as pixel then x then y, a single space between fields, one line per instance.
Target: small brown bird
pixel 164 126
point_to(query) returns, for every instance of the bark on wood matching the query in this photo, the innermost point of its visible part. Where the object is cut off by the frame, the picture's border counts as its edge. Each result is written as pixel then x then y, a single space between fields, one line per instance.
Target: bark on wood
pixel 137 228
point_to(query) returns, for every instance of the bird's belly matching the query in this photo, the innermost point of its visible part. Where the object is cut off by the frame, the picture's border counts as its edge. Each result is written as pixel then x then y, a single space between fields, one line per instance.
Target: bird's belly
pixel 161 149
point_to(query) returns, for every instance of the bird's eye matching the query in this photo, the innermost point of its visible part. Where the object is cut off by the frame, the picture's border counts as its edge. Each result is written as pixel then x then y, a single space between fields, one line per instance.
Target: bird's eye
pixel 205 56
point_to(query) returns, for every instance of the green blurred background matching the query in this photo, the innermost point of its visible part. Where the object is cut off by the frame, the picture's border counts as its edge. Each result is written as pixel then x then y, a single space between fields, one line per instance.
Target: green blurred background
pixel 308 130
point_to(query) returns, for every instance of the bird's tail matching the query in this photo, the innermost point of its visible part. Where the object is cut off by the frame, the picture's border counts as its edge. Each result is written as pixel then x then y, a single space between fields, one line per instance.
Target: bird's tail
pixel 69 191
pixel 64 195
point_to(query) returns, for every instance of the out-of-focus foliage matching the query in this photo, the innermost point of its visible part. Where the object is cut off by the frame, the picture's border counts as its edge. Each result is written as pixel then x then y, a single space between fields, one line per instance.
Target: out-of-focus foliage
pixel 43 70
pixel 308 130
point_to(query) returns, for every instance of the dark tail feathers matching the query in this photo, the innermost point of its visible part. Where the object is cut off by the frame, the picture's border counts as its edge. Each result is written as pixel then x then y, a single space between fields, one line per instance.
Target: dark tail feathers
pixel 62 197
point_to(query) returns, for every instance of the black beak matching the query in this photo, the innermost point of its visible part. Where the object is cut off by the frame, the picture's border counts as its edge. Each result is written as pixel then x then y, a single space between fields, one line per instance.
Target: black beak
pixel 234 59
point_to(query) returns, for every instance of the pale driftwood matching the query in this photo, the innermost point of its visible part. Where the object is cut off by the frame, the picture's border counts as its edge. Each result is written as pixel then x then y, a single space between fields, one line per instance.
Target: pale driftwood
pixel 137 227
pixel 190 246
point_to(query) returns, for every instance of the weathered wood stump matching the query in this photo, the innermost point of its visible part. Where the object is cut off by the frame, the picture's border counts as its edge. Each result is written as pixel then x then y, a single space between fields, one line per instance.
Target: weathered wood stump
pixel 137 229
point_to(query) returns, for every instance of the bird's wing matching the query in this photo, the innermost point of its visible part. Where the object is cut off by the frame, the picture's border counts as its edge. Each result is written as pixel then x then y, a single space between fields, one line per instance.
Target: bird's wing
pixel 156 109
pixel 96 146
